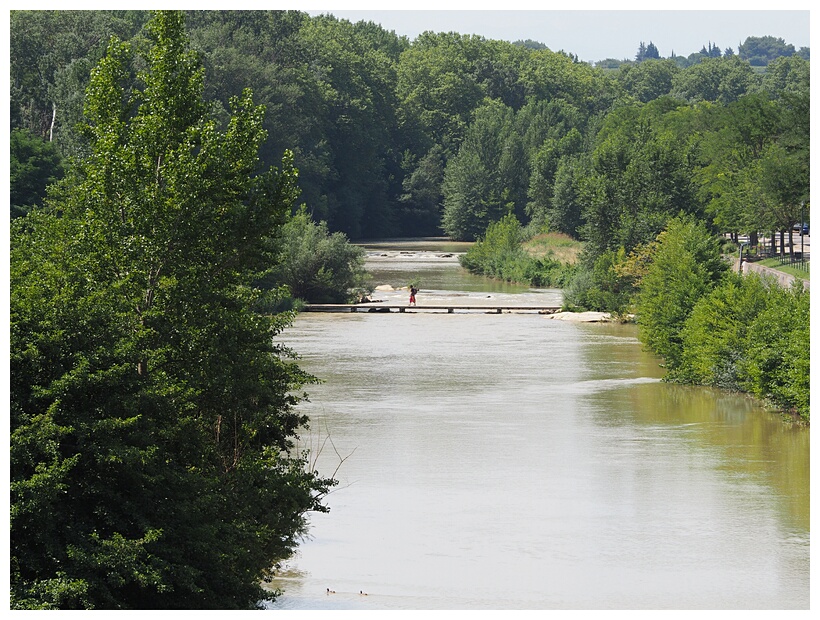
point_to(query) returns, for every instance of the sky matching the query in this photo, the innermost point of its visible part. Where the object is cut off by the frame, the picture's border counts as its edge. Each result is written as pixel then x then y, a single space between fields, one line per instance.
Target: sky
pixel 591 34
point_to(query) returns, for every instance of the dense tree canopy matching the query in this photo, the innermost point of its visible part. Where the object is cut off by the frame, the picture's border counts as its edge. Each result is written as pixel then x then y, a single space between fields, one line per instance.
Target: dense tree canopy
pixel 34 165
pixel 374 120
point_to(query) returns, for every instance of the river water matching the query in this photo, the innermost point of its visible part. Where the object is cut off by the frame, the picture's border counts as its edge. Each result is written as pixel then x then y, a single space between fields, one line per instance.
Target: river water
pixel 515 461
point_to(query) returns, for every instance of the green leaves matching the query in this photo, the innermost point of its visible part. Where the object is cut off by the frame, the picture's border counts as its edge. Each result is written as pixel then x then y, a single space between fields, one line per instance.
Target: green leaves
pixel 148 399
pixel 317 266
pixel 34 165
pixel 686 265
pixel 750 334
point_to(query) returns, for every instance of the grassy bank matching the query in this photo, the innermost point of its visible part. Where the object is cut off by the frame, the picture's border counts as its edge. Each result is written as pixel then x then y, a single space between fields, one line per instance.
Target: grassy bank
pixel 774 263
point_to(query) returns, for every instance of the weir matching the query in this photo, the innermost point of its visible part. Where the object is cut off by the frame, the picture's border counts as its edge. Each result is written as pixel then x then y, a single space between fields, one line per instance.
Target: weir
pixel 450 308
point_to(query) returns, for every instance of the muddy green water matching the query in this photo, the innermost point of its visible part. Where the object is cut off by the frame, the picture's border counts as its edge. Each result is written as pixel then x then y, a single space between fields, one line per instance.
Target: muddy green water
pixel 518 462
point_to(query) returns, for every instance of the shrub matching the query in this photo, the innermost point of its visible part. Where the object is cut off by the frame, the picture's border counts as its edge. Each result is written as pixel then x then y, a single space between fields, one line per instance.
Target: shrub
pixel 317 266
pixel 500 254
pixel 714 336
pixel 686 265
pixel 605 287
pixel 777 344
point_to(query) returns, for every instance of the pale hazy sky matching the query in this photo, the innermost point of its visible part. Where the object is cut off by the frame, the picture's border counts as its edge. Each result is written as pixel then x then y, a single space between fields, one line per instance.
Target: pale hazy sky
pixel 592 34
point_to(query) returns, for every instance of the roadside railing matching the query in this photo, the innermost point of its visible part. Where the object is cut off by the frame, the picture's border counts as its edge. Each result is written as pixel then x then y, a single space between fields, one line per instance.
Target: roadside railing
pixel 796 260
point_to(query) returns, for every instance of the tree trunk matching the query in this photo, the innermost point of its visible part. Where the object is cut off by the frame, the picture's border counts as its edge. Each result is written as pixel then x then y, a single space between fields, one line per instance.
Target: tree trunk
pixel 53 118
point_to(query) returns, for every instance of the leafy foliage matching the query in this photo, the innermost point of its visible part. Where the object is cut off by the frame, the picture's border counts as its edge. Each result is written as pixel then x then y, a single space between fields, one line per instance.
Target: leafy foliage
pixel 686 265
pixel 778 350
pixel 750 334
pixel 500 254
pixel 714 335
pixel 34 165
pixel 152 421
pixel 763 50
pixel 317 266
pixel 603 288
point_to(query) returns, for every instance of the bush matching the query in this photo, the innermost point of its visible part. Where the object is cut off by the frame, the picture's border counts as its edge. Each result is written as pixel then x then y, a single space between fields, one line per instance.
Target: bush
pixel 500 254
pixel 316 266
pixel 606 287
pixel 686 265
pixel 777 350
pixel 714 336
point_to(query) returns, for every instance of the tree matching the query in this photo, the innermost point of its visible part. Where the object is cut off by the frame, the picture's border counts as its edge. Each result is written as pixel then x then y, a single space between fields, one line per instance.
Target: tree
pixel 358 82
pixel 715 79
pixel 777 363
pixel 318 266
pixel 553 76
pixel 34 165
pixel 686 265
pixel 546 163
pixel 46 50
pixel 476 188
pixel 420 204
pixel 641 176
pixel 564 214
pixel 760 51
pixel 436 85
pixel 647 52
pixel 714 334
pixel 786 74
pixel 153 428
pixel 648 80
pixel 729 176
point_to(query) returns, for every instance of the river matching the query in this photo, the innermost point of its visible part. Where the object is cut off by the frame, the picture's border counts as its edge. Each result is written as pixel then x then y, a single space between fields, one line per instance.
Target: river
pixel 518 462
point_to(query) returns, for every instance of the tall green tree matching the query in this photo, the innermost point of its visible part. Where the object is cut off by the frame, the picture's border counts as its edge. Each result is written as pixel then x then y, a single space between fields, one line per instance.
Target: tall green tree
pixel 564 213
pixel 437 85
pixel 421 203
pixel 476 188
pixel 641 176
pixel 649 79
pixel 153 429
pixel 760 51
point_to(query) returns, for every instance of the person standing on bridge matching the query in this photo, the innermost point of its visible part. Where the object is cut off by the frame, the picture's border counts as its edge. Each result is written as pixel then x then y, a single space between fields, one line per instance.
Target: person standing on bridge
pixel 413 291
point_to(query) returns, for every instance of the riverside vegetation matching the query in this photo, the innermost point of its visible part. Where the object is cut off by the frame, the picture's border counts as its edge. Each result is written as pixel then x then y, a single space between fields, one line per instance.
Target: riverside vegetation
pixel 152 416
pixel 173 188
pixel 710 325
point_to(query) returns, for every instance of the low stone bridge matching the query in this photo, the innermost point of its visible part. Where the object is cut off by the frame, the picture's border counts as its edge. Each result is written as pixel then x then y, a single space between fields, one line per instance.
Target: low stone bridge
pixel 449 308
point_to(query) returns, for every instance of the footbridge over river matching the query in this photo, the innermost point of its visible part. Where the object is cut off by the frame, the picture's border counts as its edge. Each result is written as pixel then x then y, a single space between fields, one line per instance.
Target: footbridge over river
pixel 442 308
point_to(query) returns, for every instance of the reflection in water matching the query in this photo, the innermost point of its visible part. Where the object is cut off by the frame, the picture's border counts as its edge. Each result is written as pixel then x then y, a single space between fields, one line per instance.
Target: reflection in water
pixel 515 462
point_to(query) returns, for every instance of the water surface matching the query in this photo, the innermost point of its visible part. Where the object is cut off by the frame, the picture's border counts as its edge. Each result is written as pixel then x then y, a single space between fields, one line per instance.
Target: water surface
pixel 517 462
